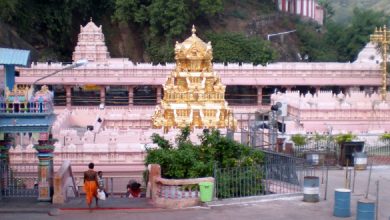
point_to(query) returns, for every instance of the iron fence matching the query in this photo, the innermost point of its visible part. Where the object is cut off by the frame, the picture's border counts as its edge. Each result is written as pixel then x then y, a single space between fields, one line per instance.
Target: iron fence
pixel 18 180
pixel 279 174
pixel 318 152
pixel 379 148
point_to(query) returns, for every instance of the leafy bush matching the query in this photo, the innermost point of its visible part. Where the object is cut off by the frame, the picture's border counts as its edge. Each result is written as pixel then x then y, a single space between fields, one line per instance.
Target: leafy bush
pixel 188 160
pixel 235 47
pixel 341 138
pixel 385 137
pixel 299 139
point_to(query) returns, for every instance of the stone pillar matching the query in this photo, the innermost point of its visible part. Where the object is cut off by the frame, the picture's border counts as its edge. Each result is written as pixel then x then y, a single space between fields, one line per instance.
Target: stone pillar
pixel 288 88
pixel 318 88
pixel 45 171
pixel 154 172
pixel 102 95
pixel 158 95
pixel 131 96
pixel 259 95
pixel 68 91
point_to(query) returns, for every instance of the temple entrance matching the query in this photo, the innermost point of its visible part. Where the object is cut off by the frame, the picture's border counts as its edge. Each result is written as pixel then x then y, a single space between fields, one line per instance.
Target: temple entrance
pixel 145 95
pixel 241 95
pixel 117 96
pixel 85 96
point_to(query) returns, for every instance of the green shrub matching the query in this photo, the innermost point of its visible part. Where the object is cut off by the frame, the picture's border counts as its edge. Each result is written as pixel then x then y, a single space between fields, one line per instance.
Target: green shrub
pixel 298 139
pixel 385 137
pixel 341 138
pixel 188 160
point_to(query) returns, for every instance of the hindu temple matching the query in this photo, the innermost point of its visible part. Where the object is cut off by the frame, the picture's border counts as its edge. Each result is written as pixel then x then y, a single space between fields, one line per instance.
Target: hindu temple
pixel 193 93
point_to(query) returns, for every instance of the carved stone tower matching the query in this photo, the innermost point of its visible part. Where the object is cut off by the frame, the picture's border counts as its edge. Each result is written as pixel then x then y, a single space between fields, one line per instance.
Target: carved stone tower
pixel 90 44
pixel 193 93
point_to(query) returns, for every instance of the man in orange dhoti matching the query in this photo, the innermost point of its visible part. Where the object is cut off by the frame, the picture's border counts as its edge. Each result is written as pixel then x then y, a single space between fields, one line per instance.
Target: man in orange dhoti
pixel 91 185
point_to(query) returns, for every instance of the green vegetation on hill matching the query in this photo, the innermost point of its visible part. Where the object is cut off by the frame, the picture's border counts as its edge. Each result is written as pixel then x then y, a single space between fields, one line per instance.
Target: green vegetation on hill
pixel 146 30
pixel 343 9
pixel 340 42
pixel 235 47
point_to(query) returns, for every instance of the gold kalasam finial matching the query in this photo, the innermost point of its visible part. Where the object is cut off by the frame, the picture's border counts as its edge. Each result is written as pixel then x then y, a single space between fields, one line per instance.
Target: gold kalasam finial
pixel 193 30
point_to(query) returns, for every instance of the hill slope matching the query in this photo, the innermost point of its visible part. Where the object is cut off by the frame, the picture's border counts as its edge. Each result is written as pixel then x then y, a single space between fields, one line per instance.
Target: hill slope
pixel 344 8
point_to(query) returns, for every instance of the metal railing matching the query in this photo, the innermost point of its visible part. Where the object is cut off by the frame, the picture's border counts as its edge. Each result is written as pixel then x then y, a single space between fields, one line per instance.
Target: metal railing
pixel 378 152
pixel 19 180
pixel 380 148
pixel 115 186
pixel 279 174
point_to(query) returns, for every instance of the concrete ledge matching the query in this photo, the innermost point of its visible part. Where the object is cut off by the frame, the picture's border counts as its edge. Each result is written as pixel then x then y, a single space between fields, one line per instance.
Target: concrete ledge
pixel 252 199
pixel 25 210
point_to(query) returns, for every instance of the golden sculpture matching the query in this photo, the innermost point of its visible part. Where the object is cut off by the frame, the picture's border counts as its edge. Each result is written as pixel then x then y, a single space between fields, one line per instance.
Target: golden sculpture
pixel 193 94
pixel 382 37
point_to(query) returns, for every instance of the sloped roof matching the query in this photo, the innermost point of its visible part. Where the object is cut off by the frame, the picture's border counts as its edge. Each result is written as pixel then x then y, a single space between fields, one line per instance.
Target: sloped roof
pixel 14 57
pixel 26 123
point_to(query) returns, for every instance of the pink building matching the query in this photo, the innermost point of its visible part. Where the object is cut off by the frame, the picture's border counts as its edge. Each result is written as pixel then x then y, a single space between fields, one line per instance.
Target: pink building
pixel 304 8
pixel 104 109
pixel 112 85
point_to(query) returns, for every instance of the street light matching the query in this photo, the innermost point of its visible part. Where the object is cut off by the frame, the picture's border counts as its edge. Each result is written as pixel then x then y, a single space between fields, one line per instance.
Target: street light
pixel 78 63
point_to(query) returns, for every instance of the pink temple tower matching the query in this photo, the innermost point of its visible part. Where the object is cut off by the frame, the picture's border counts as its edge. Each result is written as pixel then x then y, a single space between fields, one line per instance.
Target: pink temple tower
pixel 90 44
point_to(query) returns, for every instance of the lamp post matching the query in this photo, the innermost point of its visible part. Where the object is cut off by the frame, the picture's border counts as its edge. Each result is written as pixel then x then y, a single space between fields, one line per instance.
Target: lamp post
pixel 78 63
pixel 45 148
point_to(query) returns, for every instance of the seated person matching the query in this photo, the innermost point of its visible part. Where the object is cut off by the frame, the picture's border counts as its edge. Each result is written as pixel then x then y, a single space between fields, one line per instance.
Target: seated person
pixel 133 190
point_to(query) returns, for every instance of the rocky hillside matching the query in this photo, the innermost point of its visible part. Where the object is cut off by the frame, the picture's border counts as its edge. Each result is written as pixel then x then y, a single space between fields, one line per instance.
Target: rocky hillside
pixel 127 39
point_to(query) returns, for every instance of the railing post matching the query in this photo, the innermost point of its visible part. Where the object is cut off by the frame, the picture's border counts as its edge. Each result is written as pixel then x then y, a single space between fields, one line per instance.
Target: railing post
pixel 1 179
pixel 112 186
pixel 215 180
pixel 154 172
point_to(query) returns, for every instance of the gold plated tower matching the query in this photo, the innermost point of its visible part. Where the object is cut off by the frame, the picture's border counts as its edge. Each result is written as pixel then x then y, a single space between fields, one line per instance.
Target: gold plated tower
pixel 382 38
pixel 193 93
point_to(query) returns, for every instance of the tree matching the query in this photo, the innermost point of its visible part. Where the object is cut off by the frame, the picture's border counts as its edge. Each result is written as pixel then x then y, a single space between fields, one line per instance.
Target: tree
pixel 340 42
pixel 8 9
pixel 328 10
pixel 168 18
pixel 235 47
pixel 299 139
pixel 342 138
pixel 188 160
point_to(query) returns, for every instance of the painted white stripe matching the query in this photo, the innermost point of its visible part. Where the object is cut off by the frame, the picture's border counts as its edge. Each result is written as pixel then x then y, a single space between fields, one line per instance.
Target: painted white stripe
pixel 298 7
pixel 311 190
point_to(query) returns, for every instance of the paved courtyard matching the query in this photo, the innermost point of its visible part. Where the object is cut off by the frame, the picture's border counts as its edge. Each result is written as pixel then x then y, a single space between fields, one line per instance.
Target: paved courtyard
pixel 287 208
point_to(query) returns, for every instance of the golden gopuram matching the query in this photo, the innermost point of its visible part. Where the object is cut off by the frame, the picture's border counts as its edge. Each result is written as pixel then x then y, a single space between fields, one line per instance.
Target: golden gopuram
pixel 193 93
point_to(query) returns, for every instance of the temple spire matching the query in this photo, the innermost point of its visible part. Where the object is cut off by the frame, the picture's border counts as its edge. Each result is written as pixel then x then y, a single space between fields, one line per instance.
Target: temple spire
pixel 193 93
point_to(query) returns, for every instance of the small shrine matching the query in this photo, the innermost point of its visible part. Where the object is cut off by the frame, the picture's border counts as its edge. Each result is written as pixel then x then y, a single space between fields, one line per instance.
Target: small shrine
pixel 24 112
pixel 193 93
